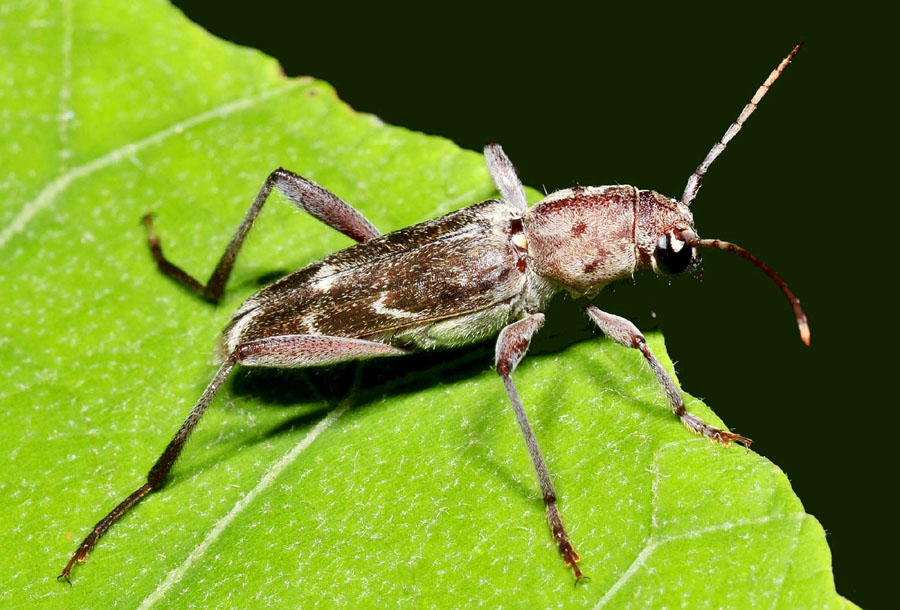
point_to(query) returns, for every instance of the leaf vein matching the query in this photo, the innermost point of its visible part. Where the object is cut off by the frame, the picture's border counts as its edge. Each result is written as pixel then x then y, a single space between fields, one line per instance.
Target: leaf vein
pixel 790 561
pixel 57 186
pixel 265 481
pixel 653 544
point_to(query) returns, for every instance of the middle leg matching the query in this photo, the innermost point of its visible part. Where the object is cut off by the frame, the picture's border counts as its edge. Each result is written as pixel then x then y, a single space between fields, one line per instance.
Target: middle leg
pixel 512 344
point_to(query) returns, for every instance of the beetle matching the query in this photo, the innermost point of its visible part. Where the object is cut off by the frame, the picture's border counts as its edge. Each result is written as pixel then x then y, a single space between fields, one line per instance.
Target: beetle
pixel 464 277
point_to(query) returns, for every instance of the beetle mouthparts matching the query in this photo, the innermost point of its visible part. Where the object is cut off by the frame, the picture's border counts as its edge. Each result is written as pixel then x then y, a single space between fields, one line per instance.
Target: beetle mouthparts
pixel 802 323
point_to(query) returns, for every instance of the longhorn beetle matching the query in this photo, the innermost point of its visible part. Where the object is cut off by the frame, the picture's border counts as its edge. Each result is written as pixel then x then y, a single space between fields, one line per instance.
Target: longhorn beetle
pixel 461 278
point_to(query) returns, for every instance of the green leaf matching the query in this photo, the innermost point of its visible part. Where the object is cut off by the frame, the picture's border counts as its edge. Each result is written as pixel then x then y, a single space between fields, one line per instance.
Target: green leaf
pixel 391 483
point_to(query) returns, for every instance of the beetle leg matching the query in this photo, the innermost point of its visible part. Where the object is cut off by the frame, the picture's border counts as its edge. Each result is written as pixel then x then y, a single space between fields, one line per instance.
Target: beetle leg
pixel 297 351
pixel 157 475
pixel 284 351
pixel 512 344
pixel 503 173
pixel 305 194
pixel 625 333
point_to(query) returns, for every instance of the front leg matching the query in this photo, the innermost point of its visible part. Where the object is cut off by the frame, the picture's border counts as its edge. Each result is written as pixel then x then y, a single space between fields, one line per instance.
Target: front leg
pixel 512 344
pixel 503 173
pixel 625 333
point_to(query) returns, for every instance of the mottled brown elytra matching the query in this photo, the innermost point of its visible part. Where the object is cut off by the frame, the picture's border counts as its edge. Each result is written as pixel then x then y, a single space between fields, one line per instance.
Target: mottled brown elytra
pixel 486 269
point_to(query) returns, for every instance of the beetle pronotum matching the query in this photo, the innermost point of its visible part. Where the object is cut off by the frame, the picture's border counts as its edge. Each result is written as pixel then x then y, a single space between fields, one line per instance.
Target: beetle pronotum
pixel 464 277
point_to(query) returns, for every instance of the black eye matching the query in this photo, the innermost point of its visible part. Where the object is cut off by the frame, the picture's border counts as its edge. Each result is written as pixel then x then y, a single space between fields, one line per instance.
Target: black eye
pixel 669 260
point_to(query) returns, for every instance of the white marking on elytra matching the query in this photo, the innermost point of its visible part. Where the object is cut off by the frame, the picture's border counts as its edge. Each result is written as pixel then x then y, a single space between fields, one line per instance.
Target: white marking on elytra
pixel 234 334
pixel 325 271
pixel 382 310
pixel 309 321
pixel 324 284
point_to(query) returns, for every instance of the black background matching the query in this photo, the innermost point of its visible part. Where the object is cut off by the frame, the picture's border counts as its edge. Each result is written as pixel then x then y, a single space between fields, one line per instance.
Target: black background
pixel 623 95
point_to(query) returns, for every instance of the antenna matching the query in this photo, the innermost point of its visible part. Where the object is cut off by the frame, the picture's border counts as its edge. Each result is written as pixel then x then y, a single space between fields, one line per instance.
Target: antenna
pixel 802 324
pixel 693 183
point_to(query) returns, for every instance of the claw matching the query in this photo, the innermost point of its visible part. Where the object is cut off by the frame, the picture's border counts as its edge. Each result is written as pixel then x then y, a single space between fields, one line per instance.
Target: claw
pixel 78 557
pixel 571 558
pixel 147 219
pixel 571 563
pixel 723 437
pixel 726 438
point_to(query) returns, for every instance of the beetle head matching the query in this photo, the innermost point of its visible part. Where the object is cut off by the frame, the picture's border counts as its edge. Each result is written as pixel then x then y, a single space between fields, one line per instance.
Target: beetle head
pixel 666 240
pixel 661 232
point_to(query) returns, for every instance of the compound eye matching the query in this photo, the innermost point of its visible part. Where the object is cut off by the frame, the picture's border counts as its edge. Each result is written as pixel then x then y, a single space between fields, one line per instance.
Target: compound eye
pixel 672 255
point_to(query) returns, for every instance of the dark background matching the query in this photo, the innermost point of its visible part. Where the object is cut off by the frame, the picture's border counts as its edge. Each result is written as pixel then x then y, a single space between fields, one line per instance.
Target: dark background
pixel 613 95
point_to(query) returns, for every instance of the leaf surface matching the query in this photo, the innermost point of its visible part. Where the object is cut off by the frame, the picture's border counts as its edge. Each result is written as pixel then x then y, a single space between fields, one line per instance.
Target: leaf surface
pixel 401 483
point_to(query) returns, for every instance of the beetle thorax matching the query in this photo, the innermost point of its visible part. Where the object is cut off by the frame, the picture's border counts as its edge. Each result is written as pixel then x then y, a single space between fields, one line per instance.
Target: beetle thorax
pixel 583 238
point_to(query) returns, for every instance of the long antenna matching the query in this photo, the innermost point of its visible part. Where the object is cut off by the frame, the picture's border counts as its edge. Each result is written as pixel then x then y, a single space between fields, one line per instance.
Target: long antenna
pixel 802 324
pixel 693 183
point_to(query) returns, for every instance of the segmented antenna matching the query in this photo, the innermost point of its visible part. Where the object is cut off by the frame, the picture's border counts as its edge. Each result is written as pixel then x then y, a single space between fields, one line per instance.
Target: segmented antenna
pixel 693 183
pixel 802 323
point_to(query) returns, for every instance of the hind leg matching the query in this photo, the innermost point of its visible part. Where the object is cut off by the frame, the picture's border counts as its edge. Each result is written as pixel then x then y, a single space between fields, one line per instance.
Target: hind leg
pixel 305 194
pixel 283 351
